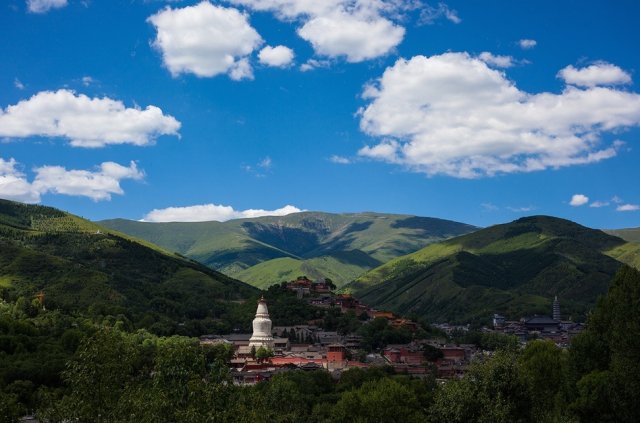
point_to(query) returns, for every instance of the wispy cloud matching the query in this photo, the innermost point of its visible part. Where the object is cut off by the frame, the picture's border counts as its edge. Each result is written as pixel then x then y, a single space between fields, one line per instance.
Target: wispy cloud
pixel 43 6
pixel 260 169
pixel 489 207
pixel 430 14
pixel 521 209
pixel 527 43
pixel 312 64
pixel 496 60
pixel 628 207
pixel 87 80
pixel 339 159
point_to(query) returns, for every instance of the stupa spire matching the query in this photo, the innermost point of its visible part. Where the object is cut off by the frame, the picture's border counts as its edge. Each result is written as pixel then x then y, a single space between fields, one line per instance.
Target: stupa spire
pixel 262 327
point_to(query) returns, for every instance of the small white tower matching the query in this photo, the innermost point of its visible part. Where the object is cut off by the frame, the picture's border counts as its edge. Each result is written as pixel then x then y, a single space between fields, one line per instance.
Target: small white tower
pixel 261 327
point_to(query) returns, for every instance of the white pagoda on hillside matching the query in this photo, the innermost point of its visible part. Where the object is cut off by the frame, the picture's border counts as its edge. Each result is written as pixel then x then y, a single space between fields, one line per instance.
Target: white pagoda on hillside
pixel 261 327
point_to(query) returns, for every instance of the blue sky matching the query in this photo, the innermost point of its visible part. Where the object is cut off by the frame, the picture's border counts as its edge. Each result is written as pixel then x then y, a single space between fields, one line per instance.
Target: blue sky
pixel 480 112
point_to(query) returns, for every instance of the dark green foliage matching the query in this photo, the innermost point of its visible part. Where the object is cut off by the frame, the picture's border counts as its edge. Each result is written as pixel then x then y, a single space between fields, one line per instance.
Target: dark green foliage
pixel 543 370
pixel 377 334
pixel 383 400
pixel 431 353
pixel 606 357
pixel 492 391
pixel 488 341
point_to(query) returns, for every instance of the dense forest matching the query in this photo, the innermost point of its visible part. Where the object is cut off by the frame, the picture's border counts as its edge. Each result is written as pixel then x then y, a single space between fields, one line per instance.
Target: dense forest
pixel 116 373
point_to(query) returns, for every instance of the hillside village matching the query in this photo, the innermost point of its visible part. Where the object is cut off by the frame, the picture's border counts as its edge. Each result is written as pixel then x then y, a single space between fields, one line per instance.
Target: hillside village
pixel 271 350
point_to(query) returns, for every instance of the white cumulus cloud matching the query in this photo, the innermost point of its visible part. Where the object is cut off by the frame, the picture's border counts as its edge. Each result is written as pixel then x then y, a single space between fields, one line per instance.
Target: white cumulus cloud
pixel 452 114
pixel 598 204
pixel 98 184
pixel 84 121
pixel 578 200
pixel 43 6
pixel 628 207
pixel 356 30
pixel 527 43
pixel 209 212
pixel 205 40
pixel 600 73
pixel 278 56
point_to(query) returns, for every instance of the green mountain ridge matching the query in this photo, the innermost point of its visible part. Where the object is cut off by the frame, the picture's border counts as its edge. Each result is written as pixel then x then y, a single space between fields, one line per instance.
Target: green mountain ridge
pixel 268 250
pixel 84 267
pixel 515 269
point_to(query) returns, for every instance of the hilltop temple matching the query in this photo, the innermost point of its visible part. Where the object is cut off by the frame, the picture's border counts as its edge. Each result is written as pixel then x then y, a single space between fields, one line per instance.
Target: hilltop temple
pixel 261 327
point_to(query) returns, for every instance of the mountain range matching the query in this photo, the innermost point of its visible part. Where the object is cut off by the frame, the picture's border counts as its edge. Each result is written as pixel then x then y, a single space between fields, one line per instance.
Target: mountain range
pixel 515 269
pixel 269 250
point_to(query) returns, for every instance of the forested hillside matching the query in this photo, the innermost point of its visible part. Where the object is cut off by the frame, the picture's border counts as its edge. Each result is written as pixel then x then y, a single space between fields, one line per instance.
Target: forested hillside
pixel 84 268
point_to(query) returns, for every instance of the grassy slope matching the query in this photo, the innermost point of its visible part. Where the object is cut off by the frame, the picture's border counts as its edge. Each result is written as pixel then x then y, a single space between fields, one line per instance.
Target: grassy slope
pixel 81 265
pixel 263 250
pixel 343 266
pixel 630 235
pixel 514 268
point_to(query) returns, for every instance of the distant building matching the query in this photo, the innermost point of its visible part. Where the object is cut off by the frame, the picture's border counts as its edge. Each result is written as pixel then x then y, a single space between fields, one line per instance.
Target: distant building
pixel 336 357
pixel 556 309
pixel 541 323
pixel 262 327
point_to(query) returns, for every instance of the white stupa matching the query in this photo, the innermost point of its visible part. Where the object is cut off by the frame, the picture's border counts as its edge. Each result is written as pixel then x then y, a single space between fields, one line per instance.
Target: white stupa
pixel 261 327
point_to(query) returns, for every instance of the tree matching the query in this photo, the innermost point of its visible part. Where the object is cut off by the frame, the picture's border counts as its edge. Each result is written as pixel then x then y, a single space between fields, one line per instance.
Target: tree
pixel 98 375
pixel 605 359
pixel 383 400
pixel 543 369
pixel 491 391
pixel 332 286
pixel 263 353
